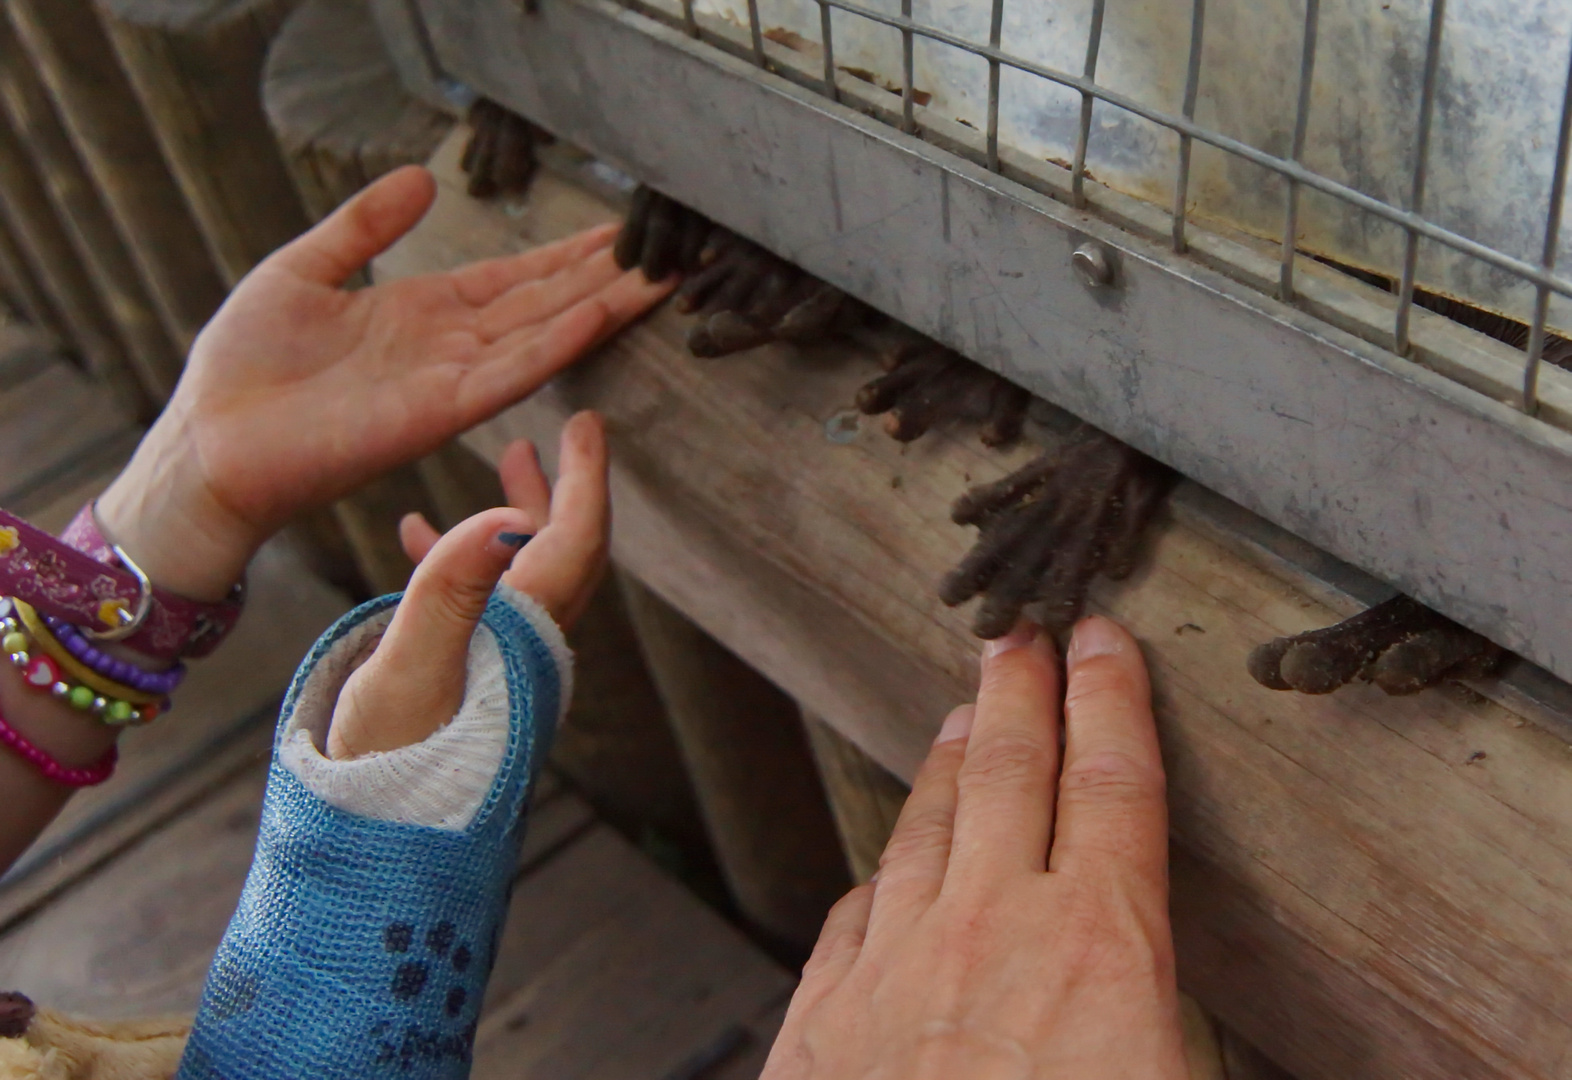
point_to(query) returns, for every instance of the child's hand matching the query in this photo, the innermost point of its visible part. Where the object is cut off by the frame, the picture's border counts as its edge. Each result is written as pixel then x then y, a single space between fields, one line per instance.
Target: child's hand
pixel 299 390
pixel 414 682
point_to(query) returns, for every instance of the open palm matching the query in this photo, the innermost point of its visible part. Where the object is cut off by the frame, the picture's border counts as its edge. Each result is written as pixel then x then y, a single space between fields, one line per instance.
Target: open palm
pixel 299 390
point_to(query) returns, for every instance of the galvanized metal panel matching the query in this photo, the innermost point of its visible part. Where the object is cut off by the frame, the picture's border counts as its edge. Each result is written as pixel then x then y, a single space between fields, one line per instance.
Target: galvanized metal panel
pixel 1457 500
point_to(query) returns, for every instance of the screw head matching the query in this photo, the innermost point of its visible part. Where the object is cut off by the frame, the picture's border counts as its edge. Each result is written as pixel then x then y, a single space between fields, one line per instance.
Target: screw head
pixel 1094 263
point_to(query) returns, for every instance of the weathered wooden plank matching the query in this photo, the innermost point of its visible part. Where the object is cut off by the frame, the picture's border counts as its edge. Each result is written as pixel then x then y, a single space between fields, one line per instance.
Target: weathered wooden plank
pixel 51 417
pixel 865 797
pixel 25 350
pixel 27 102
pixel 369 519
pixel 1356 889
pixel 109 130
pixel 196 68
pixel 753 773
pixel 54 499
pixel 337 106
pixel 136 938
pixel 610 970
pixel 31 220
pixel 404 33
pixel 617 746
pixel 21 290
pixel 103 831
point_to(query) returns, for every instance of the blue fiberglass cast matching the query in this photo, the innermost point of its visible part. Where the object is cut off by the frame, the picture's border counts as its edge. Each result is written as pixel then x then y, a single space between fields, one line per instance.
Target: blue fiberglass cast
pixel 361 948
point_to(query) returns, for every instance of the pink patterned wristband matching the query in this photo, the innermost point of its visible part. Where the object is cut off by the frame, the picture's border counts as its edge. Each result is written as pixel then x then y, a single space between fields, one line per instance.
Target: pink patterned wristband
pixel 84 580
pixel 51 769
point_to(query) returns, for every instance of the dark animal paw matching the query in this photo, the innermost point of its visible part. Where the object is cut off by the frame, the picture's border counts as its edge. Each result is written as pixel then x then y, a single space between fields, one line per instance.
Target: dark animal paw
pixel 500 155
pixel 1050 527
pixel 661 236
pixel 745 297
pixel 926 384
pixel 1400 645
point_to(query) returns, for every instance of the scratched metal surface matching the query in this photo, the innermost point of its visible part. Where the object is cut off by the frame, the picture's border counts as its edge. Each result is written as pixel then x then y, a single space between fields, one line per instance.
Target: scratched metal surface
pixel 1457 500
pixel 1493 142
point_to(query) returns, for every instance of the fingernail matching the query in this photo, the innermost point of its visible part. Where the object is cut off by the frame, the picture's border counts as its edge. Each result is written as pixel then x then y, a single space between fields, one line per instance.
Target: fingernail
pixel 512 541
pixel 1094 636
pixel 1024 634
pixel 957 725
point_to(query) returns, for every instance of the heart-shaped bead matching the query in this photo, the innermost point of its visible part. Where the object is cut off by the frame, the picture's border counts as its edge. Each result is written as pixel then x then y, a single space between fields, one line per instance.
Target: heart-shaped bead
pixel 42 672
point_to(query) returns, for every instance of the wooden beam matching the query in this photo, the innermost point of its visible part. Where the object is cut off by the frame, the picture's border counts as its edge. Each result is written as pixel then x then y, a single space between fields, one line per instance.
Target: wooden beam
pixel 154 357
pixel 22 290
pixel 197 70
pixel 1363 886
pixel 107 127
pixel 369 519
pixel 337 107
pixel 27 211
pixel 865 797
pixel 753 772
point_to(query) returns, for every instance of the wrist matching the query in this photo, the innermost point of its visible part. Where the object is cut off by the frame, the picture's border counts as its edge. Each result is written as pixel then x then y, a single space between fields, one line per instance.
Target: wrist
pixel 166 518
pixel 70 736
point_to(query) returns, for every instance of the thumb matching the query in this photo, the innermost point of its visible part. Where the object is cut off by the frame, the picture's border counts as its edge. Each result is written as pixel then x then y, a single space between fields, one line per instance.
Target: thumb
pixel 414 682
pixel 363 228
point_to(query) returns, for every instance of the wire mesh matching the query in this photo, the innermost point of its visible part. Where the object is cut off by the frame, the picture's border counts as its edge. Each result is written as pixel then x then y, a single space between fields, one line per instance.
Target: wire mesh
pixel 1416 200
pixel 1192 88
pixel 1558 187
pixel 1289 166
pixel 995 35
pixel 1094 43
pixel 1285 275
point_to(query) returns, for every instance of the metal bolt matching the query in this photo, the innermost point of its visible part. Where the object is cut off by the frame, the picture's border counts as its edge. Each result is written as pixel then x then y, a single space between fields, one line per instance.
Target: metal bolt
pixel 1094 263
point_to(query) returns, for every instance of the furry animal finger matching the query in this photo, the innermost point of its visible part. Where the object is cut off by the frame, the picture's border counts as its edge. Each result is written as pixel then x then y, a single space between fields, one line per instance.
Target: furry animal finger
pixel 926 384
pixel 1400 645
pixel 1048 529
pixel 746 297
pixel 661 236
pixel 499 157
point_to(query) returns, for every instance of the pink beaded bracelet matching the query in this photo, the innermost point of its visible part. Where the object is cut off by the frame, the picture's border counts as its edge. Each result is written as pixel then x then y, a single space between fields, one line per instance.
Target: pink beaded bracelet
pixel 51 769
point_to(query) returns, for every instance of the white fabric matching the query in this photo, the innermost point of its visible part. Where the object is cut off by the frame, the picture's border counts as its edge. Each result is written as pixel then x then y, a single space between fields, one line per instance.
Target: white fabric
pixel 441 782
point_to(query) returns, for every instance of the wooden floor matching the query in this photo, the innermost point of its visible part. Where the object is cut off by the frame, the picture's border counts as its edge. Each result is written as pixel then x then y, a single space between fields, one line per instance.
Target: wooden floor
pixel 608 969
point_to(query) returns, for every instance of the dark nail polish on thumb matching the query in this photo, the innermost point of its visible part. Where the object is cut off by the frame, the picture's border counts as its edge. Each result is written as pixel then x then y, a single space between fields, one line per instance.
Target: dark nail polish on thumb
pixel 513 539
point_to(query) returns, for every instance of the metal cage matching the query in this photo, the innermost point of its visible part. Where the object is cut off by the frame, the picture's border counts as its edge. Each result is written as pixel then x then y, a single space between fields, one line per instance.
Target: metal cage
pixel 1294 373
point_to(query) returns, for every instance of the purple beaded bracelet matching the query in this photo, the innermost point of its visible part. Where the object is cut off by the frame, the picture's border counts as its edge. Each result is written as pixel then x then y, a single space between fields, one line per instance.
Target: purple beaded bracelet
pixel 51 769
pixel 121 671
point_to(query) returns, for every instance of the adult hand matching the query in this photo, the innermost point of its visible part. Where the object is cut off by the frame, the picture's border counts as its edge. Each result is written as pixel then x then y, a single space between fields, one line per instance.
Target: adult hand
pixel 1018 926
pixel 414 681
pixel 299 390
